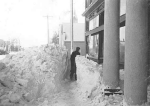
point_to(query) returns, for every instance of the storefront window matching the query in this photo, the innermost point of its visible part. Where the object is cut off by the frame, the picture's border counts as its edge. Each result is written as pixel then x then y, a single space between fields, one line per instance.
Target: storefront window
pixel 93 45
pixel 94 23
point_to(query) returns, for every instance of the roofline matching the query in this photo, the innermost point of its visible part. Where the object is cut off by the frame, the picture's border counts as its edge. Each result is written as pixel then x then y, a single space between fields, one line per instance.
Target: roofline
pixel 92 7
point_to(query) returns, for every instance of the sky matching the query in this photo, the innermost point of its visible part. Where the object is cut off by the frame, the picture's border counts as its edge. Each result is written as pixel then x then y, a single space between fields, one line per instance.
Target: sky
pixel 25 19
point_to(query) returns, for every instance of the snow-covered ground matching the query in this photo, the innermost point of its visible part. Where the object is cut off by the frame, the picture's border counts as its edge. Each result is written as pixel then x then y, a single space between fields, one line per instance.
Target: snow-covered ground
pixel 2 57
pixel 29 76
pixel 40 77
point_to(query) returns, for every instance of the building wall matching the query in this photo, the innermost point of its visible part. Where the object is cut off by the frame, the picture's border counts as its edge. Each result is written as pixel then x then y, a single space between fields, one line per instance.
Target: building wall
pixel 78 36
pixel 80 44
pixel 78 31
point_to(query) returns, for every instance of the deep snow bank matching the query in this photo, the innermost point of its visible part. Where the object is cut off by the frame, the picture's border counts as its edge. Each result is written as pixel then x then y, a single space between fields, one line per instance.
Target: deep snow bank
pixel 31 75
pixel 90 80
pixel 88 75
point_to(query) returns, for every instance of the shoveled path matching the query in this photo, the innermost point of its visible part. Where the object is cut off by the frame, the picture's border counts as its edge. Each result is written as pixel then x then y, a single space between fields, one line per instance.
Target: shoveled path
pixel 69 96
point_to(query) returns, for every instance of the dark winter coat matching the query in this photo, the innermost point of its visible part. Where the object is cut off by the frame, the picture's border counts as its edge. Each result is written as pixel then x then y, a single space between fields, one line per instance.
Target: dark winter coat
pixel 73 56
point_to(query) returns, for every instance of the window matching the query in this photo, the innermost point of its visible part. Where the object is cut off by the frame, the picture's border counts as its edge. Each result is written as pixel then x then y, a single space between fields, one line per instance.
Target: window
pixel 93 46
pixel 94 23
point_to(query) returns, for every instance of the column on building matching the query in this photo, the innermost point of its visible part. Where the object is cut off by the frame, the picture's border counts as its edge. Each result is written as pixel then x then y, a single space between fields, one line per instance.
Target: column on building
pixel 136 52
pixel 111 43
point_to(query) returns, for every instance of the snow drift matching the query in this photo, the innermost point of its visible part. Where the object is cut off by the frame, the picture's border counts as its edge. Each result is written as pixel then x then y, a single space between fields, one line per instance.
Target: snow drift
pixel 35 77
pixel 32 74
pixel 90 80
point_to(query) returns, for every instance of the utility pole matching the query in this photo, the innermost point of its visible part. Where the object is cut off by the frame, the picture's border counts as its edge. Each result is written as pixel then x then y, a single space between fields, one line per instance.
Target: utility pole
pixel 48 27
pixel 71 24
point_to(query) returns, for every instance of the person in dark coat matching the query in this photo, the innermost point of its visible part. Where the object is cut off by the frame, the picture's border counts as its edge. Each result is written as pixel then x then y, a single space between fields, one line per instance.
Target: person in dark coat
pixel 73 63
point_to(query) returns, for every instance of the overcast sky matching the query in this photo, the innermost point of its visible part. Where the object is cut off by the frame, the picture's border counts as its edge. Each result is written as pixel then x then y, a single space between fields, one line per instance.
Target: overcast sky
pixel 24 19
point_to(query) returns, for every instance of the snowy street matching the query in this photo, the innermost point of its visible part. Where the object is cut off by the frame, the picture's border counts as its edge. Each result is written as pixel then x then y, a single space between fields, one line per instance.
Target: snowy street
pixel 75 53
pixel 2 57
pixel 40 77
pixel 35 77
pixel 75 93
pixel 68 97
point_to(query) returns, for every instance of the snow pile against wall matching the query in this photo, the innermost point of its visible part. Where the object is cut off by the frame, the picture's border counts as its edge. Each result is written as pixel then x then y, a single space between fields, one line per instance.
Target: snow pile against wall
pixel 32 75
pixel 91 84
pixel 90 80
pixel 88 74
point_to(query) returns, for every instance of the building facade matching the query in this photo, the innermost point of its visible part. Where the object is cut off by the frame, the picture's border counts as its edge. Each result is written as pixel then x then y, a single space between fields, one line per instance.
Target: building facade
pixel 103 20
pixel 94 30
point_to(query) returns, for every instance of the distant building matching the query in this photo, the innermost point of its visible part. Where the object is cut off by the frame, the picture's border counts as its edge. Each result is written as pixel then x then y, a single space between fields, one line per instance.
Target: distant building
pixel 78 36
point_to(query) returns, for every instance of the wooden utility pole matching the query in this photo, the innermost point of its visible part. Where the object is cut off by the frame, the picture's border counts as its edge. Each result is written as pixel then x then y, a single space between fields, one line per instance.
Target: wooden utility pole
pixel 71 24
pixel 48 27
